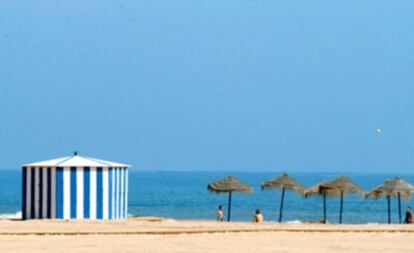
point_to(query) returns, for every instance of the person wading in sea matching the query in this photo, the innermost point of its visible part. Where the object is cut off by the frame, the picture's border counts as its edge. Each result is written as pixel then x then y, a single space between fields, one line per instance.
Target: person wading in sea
pixel 220 213
pixel 408 216
pixel 258 217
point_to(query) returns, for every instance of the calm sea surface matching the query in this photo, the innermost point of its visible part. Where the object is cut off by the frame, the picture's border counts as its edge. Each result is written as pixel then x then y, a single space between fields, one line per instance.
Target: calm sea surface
pixel 184 195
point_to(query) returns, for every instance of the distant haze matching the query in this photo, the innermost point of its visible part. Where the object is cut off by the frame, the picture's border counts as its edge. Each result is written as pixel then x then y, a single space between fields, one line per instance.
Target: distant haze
pixel 209 85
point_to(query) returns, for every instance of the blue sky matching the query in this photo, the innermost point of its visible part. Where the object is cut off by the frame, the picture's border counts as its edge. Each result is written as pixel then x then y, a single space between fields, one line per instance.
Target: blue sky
pixel 209 85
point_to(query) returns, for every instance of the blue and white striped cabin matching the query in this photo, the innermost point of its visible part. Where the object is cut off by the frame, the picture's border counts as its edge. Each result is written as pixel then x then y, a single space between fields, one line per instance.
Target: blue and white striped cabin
pixel 75 187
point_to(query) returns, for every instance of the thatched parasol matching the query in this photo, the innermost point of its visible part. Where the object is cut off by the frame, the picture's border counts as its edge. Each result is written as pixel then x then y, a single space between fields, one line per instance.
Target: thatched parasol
pixel 317 189
pixel 394 187
pixel 339 186
pixel 229 185
pixel 284 182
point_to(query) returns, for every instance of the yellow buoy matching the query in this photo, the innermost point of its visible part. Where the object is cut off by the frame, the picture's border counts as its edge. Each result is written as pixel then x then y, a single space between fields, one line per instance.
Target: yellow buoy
pixel 378 131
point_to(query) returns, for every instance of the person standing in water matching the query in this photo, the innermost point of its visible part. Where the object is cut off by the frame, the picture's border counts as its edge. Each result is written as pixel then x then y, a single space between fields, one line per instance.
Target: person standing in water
pixel 258 217
pixel 220 213
pixel 408 216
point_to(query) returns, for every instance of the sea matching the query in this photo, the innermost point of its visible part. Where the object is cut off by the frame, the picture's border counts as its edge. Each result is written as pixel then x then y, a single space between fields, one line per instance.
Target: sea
pixel 184 196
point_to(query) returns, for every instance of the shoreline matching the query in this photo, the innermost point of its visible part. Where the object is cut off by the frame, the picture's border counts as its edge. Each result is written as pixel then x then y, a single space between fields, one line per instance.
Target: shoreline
pixel 163 226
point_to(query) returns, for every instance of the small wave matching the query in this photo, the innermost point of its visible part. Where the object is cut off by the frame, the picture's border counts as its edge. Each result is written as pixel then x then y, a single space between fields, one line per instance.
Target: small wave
pixel 294 222
pixel 17 215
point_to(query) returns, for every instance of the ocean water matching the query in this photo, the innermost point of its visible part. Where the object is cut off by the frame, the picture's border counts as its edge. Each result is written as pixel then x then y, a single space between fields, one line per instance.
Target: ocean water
pixel 184 195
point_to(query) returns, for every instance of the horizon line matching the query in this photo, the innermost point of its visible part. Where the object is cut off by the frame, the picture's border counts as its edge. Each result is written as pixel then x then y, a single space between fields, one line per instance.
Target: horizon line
pixel 253 171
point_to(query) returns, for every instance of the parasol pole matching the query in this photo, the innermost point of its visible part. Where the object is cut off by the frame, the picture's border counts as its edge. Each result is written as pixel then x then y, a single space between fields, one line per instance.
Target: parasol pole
pixel 281 204
pixel 399 207
pixel 389 209
pixel 341 207
pixel 324 207
pixel 229 208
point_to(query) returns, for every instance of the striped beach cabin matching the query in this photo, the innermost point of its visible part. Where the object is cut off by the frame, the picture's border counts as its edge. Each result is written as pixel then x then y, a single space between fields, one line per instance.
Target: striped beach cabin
pixel 75 187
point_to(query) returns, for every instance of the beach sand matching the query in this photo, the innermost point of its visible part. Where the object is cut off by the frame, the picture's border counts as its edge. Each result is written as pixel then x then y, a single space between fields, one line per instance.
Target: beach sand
pixel 164 235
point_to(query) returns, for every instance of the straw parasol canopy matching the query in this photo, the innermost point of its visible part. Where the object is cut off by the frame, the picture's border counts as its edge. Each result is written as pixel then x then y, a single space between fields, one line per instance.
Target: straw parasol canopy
pixel 229 185
pixel 339 186
pixel 342 186
pixel 392 187
pixel 284 182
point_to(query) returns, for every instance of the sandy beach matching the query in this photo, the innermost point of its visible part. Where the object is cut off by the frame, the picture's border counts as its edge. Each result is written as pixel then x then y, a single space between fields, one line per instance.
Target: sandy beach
pixel 164 235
